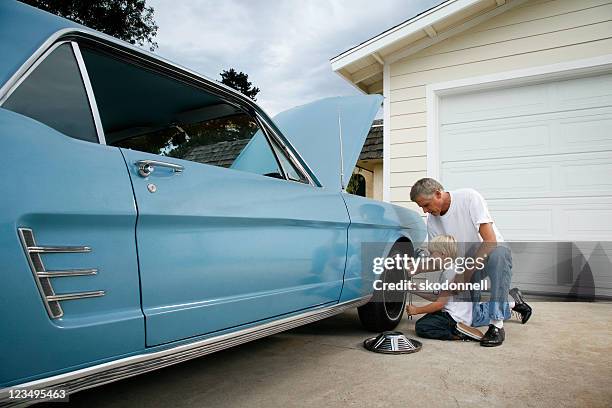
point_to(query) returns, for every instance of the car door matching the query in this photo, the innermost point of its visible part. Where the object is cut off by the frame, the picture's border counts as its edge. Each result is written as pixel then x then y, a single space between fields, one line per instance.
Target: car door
pixel 70 290
pixel 224 238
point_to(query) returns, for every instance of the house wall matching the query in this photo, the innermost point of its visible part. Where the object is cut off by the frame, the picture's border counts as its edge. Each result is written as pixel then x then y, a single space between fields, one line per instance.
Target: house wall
pixel 538 32
pixel 377 184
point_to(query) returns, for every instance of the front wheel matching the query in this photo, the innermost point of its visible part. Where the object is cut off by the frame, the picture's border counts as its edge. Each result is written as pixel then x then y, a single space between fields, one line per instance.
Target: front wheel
pixel 386 308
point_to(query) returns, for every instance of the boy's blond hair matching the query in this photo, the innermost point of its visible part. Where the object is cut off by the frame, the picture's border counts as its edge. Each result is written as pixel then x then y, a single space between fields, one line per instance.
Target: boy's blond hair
pixel 444 244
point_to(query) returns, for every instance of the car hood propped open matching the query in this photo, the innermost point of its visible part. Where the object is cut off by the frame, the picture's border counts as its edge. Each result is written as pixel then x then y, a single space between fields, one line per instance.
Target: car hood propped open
pixel 314 130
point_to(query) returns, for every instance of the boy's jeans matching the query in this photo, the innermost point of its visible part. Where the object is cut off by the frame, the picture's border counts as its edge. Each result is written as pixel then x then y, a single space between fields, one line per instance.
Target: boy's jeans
pixel 499 270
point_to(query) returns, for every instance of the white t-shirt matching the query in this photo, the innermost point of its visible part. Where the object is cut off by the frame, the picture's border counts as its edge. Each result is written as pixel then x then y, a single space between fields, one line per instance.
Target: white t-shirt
pixel 460 310
pixel 467 211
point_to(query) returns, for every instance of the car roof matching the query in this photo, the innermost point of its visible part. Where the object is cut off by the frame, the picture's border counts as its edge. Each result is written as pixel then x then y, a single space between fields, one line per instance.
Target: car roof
pixel 23 30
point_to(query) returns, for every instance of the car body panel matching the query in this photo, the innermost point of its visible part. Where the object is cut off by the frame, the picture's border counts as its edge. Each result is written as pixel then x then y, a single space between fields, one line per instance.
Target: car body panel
pixel 86 200
pixel 314 130
pixel 373 223
pixel 220 247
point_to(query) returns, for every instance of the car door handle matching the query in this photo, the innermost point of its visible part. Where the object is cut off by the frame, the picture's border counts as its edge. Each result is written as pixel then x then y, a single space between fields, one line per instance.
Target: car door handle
pixel 146 167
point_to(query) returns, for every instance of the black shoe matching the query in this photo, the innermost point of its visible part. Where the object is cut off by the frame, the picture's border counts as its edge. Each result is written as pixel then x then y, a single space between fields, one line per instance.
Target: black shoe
pixel 523 310
pixel 493 337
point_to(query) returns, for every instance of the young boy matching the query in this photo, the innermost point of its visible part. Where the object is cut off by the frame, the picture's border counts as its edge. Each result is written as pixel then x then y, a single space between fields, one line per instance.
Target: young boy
pixel 451 316
pixel 443 313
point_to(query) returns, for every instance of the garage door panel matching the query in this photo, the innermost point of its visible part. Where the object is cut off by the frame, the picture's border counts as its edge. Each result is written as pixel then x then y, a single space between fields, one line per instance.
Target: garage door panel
pixel 501 140
pixel 546 219
pixel 543 263
pixel 524 223
pixel 598 256
pixel 562 267
pixel 583 93
pixel 579 93
pixel 585 223
pixel 549 134
pixel 563 175
pixel 593 178
pixel 592 132
pixel 498 180
pixel 493 104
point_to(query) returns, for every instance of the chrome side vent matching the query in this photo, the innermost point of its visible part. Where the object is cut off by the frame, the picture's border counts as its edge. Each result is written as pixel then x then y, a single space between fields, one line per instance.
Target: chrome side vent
pixel 43 277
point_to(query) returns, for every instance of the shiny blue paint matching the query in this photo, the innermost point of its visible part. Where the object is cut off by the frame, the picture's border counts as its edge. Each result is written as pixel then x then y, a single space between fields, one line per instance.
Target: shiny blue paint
pixel 314 130
pixel 220 247
pixel 83 200
pixel 375 222
pixel 23 29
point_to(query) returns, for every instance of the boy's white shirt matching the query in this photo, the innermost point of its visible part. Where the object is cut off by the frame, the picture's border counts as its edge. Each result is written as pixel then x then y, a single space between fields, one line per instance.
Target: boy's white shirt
pixel 460 311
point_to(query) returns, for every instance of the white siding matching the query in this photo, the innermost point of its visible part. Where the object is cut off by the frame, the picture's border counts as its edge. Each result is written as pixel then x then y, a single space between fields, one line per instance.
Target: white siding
pixel 532 34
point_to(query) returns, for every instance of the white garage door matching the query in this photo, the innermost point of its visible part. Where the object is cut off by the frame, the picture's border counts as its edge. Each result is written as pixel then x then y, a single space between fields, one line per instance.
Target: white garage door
pixel 541 155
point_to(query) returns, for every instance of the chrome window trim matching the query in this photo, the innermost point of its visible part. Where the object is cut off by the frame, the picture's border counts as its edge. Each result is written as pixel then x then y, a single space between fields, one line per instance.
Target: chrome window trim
pixel 278 150
pixel 93 106
pixel 270 146
pixel 111 371
pixel 226 93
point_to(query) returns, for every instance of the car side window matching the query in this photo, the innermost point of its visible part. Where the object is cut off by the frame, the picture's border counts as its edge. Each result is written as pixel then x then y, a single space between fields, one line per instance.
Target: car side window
pixel 54 94
pixel 290 170
pixel 145 110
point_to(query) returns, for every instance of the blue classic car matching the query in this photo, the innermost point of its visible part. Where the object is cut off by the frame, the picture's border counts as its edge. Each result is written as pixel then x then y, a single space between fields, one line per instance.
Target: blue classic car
pixel 150 215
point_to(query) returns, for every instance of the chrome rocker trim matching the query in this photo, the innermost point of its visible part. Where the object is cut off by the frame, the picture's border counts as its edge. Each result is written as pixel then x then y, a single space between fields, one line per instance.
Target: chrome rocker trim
pixel 130 366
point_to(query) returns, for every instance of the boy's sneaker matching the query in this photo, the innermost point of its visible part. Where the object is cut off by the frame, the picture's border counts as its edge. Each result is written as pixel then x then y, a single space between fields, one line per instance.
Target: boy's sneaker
pixel 469 331
pixel 521 309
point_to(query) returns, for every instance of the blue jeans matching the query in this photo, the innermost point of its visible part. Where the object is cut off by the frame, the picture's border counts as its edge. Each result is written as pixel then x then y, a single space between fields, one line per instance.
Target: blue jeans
pixel 499 270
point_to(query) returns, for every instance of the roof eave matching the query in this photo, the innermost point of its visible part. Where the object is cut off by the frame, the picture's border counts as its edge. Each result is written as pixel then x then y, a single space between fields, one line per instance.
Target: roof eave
pixel 420 22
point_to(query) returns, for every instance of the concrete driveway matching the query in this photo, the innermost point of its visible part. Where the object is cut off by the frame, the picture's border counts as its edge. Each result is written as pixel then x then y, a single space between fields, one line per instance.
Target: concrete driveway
pixel 562 357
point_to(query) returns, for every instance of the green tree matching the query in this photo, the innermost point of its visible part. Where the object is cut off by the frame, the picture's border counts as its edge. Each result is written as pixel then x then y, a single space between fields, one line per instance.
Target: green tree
pixel 240 82
pixel 128 20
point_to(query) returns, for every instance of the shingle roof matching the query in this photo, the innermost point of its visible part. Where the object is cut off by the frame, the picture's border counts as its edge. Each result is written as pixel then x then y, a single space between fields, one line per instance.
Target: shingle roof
pixel 373 146
pixel 220 154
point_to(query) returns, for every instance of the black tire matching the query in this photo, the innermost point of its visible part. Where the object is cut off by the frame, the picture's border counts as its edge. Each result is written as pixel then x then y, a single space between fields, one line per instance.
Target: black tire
pixel 385 310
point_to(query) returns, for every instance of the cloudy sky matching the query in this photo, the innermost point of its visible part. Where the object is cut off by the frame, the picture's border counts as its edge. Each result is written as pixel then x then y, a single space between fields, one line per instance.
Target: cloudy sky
pixel 284 46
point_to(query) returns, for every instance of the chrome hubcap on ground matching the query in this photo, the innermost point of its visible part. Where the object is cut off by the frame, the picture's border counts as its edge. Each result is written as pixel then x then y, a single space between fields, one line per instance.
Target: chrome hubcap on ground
pixel 392 342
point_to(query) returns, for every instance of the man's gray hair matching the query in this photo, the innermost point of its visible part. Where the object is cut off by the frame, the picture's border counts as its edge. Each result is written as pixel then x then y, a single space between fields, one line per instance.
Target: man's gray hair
pixel 425 187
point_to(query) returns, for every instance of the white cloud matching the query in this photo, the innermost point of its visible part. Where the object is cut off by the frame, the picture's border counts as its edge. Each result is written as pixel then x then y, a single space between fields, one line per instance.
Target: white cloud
pixel 283 46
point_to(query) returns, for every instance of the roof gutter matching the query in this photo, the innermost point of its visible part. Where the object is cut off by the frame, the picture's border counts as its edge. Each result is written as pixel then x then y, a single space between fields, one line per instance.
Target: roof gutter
pixel 421 22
